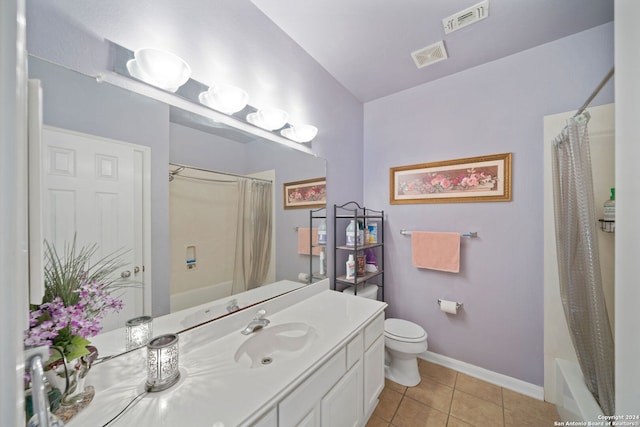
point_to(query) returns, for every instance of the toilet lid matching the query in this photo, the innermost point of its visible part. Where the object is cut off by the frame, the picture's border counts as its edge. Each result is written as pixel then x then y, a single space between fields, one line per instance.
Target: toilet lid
pixel 403 330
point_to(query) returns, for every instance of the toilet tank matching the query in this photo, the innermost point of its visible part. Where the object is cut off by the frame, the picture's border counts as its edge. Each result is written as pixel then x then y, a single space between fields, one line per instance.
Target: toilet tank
pixel 365 291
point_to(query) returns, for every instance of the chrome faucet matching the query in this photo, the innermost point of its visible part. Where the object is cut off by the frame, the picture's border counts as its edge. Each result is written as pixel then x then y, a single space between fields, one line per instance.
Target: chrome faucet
pixel 34 357
pixel 233 306
pixel 258 322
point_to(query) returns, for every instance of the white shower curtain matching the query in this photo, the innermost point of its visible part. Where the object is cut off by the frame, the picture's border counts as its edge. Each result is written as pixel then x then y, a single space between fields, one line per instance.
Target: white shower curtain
pixel 578 261
pixel 253 240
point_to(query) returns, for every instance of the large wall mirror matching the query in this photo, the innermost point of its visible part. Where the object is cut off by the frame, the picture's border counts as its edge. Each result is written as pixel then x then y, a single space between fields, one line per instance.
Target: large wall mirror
pixel 186 151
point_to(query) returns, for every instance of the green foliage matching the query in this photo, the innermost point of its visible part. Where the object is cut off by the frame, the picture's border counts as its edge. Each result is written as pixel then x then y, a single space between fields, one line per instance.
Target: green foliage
pixel 64 274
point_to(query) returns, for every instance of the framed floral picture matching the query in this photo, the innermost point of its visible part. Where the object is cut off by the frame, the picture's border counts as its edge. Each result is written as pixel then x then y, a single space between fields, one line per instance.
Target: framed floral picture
pixel 310 193
pixel 473 179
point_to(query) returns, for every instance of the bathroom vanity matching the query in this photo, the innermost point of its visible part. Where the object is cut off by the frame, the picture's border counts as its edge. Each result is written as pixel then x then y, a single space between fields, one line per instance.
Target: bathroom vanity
pixel 319 362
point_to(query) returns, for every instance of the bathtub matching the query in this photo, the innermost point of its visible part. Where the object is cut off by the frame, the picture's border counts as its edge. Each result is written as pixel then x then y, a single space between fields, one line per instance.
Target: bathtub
pixel 218 298
pixel 574 401
pixel 188 299
pixel 206 312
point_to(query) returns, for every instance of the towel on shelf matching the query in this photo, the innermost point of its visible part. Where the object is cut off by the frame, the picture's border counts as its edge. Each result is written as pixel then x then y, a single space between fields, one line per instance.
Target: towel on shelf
pixel 303 241
pixel 436 251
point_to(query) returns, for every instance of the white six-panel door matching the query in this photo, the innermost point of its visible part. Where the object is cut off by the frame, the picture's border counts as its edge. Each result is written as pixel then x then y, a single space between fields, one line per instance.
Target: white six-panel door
pixel 93 187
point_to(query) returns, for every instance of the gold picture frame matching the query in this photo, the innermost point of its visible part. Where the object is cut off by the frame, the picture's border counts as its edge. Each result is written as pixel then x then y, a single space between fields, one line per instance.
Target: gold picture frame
pixel 472 179
pixel 310 193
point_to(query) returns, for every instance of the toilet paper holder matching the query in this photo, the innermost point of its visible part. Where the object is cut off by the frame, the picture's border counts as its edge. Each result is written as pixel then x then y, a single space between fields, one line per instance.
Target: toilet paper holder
pixel 458 304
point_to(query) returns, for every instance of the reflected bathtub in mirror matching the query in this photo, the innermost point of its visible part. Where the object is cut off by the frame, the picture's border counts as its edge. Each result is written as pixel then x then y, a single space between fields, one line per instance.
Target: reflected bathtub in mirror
pixel 113 343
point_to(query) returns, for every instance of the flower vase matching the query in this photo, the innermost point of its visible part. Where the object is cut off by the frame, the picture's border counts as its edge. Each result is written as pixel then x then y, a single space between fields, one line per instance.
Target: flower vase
pixel 70 379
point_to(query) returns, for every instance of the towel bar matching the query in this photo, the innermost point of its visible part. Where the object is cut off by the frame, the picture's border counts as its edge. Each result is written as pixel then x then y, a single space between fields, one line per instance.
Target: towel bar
pixel 471 234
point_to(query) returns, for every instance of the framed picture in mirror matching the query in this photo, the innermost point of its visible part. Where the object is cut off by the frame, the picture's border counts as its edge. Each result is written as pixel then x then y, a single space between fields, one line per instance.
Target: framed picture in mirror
pixel 310 193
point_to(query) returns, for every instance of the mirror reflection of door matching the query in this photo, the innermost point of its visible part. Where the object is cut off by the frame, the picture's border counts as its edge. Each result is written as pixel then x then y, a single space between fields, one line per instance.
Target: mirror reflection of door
pixel 93 189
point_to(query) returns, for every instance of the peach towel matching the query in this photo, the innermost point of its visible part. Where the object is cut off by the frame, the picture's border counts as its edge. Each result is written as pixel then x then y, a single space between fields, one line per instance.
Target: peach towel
pixel 303 241
pixel 436 251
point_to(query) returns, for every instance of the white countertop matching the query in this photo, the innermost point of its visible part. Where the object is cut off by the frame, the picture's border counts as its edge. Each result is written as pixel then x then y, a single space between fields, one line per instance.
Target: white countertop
pixel 214 390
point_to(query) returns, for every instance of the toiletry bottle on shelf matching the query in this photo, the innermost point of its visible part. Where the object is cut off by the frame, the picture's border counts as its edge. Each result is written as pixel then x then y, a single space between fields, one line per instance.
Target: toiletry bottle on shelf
pixel 610 207
pixel 351 267
pixel 322 232
pixel 322 262
pixel 366 233
pixel 351 233
pixel 360 233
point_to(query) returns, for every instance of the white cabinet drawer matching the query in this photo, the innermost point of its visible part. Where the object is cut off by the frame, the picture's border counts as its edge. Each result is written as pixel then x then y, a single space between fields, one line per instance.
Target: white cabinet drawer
pixel 300 401
pixel 354 350
pixel 373 330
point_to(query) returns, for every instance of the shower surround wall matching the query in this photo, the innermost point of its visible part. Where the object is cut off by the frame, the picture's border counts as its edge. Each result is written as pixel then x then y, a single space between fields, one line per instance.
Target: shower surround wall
pixel 199 149
pixel 202 216
pixel 493 108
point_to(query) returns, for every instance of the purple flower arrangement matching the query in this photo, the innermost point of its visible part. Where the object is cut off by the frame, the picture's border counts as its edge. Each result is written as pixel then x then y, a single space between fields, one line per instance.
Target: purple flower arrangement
pixel 53 323
pixel 78 295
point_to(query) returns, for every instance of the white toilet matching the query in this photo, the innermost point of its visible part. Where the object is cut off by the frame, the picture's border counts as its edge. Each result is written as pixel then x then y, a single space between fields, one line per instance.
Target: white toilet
pixel 403 341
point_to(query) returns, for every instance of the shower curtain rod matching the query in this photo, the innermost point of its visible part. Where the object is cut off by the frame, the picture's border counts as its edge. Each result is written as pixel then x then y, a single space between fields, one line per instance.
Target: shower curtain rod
pixel 595 92
pixel 182 167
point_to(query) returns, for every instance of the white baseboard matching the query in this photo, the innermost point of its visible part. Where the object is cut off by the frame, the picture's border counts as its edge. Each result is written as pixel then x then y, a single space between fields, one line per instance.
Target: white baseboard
pixel 514 384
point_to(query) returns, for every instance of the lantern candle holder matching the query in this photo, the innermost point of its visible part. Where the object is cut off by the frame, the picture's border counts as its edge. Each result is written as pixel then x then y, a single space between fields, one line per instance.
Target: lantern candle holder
pixel 162 362
pixel 139 331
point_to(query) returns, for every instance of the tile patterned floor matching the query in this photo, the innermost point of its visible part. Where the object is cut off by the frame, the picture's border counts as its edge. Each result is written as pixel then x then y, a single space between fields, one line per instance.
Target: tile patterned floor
pixel 447 398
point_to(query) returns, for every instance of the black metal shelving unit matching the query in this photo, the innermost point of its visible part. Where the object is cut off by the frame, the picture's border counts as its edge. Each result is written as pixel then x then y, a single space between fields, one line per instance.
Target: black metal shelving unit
pixel 343 214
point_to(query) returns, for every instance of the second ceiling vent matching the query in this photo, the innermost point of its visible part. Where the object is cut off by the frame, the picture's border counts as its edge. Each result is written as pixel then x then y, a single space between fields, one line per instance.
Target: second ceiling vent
pixel 466 17
pixel 429 55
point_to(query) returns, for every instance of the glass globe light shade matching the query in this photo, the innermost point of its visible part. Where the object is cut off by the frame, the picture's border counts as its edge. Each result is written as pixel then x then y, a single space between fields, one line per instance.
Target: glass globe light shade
pixel 159 68
pixel 300 133
pixel 227 99
pixel 268 118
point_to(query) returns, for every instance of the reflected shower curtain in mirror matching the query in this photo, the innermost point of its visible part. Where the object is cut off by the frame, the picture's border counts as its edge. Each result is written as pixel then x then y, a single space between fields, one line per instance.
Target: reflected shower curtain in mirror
pixel 578 261
pixel 261 195
pixel 254 230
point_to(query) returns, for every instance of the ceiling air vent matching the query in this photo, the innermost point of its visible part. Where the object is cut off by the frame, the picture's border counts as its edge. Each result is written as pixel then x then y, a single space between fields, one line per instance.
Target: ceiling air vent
pixel 430 54
pixel 466 17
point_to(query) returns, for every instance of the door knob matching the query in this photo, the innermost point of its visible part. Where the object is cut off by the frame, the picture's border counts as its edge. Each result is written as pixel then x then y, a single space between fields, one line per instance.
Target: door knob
pixel 125 274
pixel 136 270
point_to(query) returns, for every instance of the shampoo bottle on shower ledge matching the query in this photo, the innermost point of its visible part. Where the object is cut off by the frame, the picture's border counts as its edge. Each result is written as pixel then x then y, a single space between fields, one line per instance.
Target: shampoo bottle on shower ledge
pixel 610 207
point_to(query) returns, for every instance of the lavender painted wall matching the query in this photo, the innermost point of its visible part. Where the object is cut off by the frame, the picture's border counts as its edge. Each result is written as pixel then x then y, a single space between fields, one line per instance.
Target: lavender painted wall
pixel 494 108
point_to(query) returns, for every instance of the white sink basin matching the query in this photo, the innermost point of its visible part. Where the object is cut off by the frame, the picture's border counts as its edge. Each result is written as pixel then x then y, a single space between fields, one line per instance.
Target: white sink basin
pixel 275 344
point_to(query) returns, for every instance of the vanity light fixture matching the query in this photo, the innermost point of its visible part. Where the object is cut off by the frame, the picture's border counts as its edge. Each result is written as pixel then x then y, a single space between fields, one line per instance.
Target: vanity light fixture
pixel 162 362
pixel 300 133
pixel 268 118
pixel 159 68
pixel 227 99
pixel 139 331
pixel 137 68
